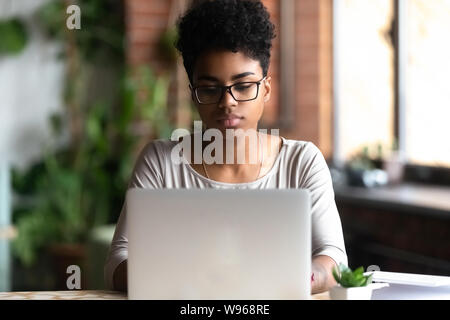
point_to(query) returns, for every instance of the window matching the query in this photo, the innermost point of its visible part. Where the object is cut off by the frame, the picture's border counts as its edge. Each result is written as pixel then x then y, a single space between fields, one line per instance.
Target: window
pixel 427 83
pixel 391 78
pixel 364 75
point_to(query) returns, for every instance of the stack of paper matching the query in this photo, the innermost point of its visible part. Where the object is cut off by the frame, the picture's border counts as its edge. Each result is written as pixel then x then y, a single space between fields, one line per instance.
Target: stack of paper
pixel 408 286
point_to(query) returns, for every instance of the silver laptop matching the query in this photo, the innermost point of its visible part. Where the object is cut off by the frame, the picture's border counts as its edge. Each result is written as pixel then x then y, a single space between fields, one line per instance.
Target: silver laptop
pixel 227 244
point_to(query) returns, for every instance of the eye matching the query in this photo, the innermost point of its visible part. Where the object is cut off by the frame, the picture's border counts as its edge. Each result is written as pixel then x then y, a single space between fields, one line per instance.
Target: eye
pixel 208 90
pixel 243 86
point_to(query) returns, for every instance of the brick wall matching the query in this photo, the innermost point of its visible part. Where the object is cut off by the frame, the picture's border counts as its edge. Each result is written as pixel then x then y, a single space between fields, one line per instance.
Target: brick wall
pixel 312 109
pixel 146 20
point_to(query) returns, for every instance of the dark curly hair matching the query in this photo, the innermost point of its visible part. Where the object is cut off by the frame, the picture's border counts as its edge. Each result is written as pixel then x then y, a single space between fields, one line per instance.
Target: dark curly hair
pixel 235 25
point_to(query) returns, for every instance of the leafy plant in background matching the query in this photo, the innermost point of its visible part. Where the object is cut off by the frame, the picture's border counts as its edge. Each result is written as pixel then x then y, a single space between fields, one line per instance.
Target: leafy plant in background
pixel 361 161
pixel 150 93
pixel 166 45
pixel 349 279
pixel 102 26
pixel 71 191
pixel 13 36
pixel 368 159
pixel 81 185
pixel 367 168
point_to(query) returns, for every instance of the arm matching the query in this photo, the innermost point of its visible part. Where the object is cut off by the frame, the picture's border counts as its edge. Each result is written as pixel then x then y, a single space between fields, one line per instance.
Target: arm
pixel 322 267
pixel 328 246
pixel 120 277
pixel 146 174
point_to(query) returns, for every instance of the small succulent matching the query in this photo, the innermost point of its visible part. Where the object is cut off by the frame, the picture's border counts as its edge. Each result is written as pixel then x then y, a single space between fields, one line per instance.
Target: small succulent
pixel 349 279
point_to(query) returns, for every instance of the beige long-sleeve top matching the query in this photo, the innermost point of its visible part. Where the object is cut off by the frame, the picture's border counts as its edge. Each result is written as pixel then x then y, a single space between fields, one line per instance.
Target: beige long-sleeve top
pixel 299 164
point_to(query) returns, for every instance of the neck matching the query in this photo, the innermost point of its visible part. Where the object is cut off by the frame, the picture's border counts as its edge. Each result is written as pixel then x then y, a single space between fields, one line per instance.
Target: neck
pixel 238 148
pixel 235 149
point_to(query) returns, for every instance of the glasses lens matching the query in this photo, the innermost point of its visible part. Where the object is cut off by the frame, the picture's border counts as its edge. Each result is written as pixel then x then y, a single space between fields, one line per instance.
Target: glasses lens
pixel 209 94
pixel 245 91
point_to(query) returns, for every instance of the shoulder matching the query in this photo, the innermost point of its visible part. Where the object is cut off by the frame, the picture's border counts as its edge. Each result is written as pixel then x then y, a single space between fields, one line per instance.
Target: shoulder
pixel 155 154
pixel 301 150
pixel 159 145
pixel 149 169
pixel 158 149
pixel 306 160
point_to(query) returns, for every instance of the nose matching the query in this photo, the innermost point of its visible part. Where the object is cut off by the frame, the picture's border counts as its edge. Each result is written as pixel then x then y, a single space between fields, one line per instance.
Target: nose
pixel 227 99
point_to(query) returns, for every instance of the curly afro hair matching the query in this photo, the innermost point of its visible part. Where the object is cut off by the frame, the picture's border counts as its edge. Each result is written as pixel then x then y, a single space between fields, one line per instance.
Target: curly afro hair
pixel 235 25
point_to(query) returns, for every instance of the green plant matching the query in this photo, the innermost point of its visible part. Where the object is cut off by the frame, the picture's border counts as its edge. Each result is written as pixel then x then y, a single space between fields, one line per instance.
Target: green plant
pixel 349 279
pixel 370 157
pixel 13 36
pixel 81 184
pixel 54 214
pixel 166 44
pixel 150 93
pixel 362 160
pixel 101 26
pixel 72 190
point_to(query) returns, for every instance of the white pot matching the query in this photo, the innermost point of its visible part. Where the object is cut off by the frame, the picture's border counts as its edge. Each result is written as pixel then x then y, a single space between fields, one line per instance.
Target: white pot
pixel 356 293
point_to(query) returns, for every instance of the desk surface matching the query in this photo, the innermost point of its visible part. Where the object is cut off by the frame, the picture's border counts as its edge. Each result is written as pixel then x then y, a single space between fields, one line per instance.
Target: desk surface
pixel 87 295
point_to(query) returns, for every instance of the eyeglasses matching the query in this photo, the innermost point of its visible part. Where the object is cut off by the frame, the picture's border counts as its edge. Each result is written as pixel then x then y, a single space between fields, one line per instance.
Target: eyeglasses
pixel 241 92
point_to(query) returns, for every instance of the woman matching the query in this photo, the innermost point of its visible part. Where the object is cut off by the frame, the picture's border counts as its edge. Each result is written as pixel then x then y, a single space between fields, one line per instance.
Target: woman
pixel 226 46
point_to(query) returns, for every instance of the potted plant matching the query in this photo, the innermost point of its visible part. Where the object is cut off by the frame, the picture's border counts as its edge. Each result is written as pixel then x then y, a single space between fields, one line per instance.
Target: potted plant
pixel 352 285
pixel 375 165
pixel 79 183
pixel 74 189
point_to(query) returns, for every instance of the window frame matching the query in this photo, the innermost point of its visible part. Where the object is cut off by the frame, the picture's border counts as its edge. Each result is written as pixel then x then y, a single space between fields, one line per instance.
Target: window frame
pixel 413 172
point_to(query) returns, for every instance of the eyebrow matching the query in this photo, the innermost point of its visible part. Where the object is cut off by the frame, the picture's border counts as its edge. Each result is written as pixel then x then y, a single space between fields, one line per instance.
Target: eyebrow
pixel 235 77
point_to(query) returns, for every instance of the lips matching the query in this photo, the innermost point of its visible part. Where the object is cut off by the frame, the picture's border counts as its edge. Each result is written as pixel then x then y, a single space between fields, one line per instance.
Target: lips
pixel 229 120
pixel 229 117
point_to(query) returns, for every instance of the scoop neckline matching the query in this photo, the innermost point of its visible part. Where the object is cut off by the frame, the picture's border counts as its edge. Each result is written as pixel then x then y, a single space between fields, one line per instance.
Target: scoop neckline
pixel 268 174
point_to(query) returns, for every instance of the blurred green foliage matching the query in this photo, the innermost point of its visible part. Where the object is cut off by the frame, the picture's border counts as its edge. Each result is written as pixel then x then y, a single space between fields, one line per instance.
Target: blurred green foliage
pixel 369 157
pixel 82 184
pixel 70 191
pixel 166 45
pixel 362 160
pixel 102 25
pixel 13 36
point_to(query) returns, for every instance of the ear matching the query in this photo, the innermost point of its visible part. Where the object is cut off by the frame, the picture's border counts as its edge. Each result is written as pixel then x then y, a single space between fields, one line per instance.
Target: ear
pixel 267 85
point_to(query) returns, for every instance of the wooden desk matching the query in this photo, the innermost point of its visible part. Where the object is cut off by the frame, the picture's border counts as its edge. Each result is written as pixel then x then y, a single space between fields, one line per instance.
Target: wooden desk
pixel 87 295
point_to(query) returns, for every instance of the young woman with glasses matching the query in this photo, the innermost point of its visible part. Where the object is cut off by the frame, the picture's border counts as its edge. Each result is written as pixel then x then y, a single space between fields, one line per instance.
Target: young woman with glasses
pixel 226 47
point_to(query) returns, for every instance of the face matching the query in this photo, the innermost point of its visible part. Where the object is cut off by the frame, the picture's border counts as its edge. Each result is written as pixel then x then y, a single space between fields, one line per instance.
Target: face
pixel 226 68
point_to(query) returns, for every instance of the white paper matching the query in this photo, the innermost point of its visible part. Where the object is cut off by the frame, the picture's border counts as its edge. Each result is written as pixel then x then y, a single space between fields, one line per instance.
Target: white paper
pixel 410 279
pixel 410 292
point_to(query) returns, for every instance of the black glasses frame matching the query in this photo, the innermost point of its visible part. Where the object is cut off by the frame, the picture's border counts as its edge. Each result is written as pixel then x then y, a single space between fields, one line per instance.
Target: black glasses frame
pixel 227 88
